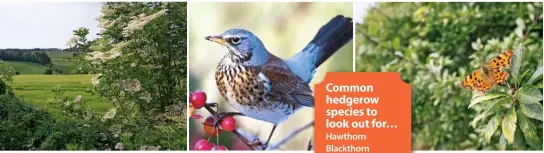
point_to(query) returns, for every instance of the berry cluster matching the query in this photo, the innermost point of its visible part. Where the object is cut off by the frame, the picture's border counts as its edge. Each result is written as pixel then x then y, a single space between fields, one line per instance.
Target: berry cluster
pixel 197 101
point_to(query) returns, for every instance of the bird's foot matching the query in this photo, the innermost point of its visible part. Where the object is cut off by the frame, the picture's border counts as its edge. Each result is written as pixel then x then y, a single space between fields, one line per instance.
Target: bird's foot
pixel 220 116
pixel 211 104
pixel 258 143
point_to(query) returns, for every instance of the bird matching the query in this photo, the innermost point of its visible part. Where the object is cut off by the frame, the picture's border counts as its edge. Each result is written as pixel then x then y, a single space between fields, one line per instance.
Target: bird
pixel 263 86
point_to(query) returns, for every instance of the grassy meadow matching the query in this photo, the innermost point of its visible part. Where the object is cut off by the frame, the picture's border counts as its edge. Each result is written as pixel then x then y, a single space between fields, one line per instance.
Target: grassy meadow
pixel 26 67
pixel 38 91
pixel 58 58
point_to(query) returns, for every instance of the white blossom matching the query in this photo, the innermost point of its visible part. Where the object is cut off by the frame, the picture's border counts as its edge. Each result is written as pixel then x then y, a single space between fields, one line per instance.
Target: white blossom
pixel 146 96
pixel 138 22
pixel 132 85
pixel 109 115
pixel 119 146
pixel 95 81
pixel 77 99
pixel 102 56
pixel 72 41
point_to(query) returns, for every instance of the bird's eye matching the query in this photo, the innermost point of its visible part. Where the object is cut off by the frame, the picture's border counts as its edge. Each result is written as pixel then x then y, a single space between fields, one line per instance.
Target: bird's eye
pixel 235 40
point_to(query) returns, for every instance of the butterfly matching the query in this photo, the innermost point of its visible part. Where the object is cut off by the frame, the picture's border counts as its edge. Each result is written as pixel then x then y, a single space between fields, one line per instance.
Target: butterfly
pixel 488 75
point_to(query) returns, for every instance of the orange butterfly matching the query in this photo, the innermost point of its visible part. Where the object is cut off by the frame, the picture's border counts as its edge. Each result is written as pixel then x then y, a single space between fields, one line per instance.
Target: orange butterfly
pixel 489 75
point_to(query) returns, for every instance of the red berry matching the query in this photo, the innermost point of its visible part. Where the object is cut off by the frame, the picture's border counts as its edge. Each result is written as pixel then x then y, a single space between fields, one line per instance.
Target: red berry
pixel 228 123
pixel 198 99
pixel 210 128
pixel 203 145
pixel 219 148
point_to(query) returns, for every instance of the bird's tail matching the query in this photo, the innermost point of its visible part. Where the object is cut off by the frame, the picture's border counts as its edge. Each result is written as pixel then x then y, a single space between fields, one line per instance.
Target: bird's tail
pixel 331 37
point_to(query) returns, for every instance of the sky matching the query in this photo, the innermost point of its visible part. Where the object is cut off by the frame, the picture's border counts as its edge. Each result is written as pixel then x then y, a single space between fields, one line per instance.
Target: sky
pixel 361 9
pixel 45 24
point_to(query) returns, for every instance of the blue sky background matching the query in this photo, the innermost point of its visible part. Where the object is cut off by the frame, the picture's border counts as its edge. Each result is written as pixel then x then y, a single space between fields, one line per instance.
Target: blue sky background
pixel 45 25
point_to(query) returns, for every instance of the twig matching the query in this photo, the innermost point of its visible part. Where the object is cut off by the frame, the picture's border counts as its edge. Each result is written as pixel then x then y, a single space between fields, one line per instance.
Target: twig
pixel 310 145
pixel 250 143
pixel 290 136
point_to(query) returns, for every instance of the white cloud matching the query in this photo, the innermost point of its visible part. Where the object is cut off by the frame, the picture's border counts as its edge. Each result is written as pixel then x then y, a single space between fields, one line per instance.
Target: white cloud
pixel 45 25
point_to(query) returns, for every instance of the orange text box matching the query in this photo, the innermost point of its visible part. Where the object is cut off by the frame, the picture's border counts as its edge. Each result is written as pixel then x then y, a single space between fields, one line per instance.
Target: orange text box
pixel 362 112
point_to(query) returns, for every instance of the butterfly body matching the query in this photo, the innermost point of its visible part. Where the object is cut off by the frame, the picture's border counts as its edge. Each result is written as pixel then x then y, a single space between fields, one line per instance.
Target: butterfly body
pixel 490 74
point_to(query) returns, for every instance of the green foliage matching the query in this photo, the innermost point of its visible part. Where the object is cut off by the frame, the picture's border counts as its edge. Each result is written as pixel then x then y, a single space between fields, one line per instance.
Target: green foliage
pixel 521 102
pixel 27 128
pixel 140 61
pixel 26 56
pixel 431 45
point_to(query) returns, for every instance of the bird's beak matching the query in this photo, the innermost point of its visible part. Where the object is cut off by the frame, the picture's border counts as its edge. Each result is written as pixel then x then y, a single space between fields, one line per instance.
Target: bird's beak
pixel 216 39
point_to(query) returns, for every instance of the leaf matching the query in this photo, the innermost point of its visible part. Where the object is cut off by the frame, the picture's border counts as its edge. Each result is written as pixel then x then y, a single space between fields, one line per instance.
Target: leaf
pixel 529 94
pixel 523 75
pixel 502 142
pixel 509 125
pixel 532 110
pixel 519 142
pixel 529 132
pixel 493 107
pixel 492 126
pixel 396 43
pixel 537 74
pixel 489 96
pixel 516 63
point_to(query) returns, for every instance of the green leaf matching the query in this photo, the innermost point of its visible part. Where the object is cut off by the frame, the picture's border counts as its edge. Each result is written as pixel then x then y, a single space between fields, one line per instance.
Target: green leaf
pixel 509 125
pixel 519 142
pixel 492 126
pixel 516 63
pixel 529 94
pixel 396 43
pixel 492 108
pixel 532 110
pixel 489 96
pixel 529 132
pixel 523 75
pixel 502 142
pixel 537 74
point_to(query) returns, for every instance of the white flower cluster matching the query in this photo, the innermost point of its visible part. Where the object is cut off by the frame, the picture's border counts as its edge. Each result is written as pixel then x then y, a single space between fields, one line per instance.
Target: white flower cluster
pixel 138 22
pixel 109 115
pixel 102 56
pixel 146 96
pixel 95 81
pixel 132 85
pixel 72 41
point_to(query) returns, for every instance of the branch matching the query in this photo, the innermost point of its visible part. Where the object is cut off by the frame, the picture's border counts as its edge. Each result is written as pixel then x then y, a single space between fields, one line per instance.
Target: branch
pixel 310 145
pixel 291 136
pixel 251 144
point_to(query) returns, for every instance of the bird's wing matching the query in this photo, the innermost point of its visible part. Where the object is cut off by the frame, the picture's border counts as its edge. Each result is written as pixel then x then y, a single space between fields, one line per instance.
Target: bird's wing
pixel 288 87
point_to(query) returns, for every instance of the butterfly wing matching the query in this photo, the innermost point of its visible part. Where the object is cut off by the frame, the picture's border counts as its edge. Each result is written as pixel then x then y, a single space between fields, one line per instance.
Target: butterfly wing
pixel 499 76
pixel 471 80
pixel 483 84
pixel 476 81
pixel 502 60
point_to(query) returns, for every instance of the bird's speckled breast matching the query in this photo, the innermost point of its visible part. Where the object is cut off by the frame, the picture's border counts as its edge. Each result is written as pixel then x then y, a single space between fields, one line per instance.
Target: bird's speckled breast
pixel 246 92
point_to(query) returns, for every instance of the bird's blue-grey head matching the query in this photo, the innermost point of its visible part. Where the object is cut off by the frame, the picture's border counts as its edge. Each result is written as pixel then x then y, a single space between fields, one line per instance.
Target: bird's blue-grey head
pixel 243 46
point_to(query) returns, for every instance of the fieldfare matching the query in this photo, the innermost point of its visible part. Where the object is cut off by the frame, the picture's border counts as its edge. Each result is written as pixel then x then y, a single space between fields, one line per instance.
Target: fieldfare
pixel 265 87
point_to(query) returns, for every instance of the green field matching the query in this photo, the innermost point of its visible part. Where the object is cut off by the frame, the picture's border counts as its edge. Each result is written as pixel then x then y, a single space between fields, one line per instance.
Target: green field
pixel 37 90
pixel 58 58
pixel 27 67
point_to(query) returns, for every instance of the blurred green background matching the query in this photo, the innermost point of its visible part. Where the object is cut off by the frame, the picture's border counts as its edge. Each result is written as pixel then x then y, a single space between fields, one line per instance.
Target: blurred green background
pixel 284 28
pixel 434 46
